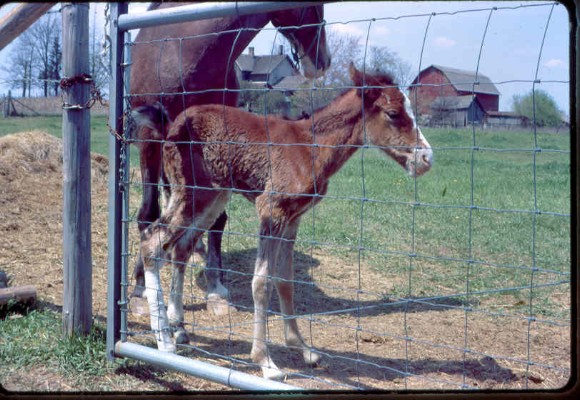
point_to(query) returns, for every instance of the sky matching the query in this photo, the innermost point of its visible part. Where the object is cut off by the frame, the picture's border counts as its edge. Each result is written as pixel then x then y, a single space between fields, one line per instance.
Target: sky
pixel 509 42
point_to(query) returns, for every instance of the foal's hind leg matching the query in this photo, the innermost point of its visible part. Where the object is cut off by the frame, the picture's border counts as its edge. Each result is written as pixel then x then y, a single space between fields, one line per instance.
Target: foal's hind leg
pixel 181 252
pixel 152 241
pixel 205 214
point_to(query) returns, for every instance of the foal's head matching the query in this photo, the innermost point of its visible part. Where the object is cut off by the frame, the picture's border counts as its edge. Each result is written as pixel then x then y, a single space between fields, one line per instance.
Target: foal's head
pixel 390 123
pixel 304 29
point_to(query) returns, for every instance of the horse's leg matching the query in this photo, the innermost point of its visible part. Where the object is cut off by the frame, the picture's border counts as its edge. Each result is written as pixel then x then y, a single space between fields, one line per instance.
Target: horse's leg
pixel 150 162
pixel 217 294
pixel 205 215
pixel 181 252
pixel 284 280
pixel 151 248
pixel 268 246
pixel 199 254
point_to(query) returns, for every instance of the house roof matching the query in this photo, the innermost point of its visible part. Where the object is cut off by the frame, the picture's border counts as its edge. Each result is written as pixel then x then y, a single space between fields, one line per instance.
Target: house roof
pixel 453 102
pixel 259 64
pixel 463 80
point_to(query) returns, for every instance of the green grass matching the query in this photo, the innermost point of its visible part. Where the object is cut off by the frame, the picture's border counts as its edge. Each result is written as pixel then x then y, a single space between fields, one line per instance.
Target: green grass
pixel 473 227
pixel 469 233
pixel 36 339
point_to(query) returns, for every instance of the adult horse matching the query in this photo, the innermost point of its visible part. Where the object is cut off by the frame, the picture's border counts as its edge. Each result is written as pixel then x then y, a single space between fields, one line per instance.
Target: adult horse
pixel 193 69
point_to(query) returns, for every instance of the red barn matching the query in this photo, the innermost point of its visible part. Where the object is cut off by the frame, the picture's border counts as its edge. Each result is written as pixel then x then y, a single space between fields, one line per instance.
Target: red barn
pixel 437 81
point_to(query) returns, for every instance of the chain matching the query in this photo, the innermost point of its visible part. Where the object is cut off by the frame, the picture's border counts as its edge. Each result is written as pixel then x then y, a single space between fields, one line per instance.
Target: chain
pixel 128 122
pixel 95 95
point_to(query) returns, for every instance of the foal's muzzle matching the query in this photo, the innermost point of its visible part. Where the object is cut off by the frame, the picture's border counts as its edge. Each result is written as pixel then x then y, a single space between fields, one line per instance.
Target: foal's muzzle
pixel 420 161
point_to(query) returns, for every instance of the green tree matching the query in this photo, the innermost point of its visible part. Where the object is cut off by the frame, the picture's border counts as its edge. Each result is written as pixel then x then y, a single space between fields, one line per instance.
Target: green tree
pixel 546 109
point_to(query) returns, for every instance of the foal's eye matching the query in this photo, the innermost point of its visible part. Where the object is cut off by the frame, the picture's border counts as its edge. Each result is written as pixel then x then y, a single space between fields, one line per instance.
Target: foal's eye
pixel 393 114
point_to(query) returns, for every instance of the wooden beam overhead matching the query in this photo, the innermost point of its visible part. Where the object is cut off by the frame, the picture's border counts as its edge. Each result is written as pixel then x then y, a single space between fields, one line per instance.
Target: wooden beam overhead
pixel 19 19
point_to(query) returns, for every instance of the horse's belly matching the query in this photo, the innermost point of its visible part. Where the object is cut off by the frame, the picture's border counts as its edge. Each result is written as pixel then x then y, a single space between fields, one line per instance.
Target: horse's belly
pixel 233 167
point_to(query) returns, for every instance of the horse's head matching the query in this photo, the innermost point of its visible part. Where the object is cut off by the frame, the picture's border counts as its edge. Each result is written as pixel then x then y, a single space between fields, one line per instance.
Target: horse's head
pixel 304 28
pixel 390 123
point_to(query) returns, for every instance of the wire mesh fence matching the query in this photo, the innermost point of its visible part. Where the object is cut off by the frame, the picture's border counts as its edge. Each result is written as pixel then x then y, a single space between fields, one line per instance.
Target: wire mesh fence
pixel 459 279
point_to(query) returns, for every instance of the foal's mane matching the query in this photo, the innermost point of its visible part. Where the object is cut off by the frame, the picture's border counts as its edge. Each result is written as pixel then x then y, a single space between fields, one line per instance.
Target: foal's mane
pixel 377 79
pixel 380 78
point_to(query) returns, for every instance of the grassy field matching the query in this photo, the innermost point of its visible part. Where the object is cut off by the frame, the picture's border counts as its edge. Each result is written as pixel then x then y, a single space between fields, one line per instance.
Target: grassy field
pixel 496 202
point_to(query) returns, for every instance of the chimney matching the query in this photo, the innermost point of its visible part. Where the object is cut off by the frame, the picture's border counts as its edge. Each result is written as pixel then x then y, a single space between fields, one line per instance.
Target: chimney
pixel 251 51
pixel 280 50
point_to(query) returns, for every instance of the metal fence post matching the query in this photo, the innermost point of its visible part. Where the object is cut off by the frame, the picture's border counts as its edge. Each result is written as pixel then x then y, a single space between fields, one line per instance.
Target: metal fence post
pixel 115 196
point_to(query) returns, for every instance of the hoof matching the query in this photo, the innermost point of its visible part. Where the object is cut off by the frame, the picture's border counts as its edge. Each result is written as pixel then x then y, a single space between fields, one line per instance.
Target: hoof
pixel 311 358
pixel 274 374
pixel 181 336
pixel 218 305
pixel 166 347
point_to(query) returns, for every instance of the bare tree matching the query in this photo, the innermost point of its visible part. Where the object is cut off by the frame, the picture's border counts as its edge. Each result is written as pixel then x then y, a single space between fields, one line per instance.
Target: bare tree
pixel 45 32
pixel 98 60
pixel 18 71
pixel 344 48
pixel 384 60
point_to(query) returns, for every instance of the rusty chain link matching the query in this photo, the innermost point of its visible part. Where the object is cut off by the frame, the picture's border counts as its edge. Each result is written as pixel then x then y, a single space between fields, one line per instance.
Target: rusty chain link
pixel 95 95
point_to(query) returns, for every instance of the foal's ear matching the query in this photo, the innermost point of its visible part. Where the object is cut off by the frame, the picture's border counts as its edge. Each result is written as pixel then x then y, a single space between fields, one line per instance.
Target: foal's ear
pixel 360 79
pixel 355 75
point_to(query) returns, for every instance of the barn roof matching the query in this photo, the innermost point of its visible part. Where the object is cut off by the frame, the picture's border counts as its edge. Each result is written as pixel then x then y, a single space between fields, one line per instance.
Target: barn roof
pixel 463 80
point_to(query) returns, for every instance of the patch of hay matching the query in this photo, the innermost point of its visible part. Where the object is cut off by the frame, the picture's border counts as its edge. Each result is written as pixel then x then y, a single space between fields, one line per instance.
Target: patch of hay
pixel 31 179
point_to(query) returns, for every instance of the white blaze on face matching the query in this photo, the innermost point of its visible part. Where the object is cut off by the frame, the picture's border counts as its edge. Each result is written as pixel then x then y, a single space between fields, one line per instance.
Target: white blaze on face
pixel 409 109
pixel 423 155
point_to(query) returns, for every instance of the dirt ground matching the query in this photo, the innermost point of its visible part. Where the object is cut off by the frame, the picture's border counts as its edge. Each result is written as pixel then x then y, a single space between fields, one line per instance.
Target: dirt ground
pixel 372 343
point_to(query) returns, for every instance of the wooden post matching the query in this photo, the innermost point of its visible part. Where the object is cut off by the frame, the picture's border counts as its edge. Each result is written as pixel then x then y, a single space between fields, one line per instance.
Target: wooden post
pixel 77 301
pixel 21 294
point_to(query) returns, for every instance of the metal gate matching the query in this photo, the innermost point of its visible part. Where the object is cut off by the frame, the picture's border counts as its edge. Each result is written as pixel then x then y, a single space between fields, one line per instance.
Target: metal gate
pixel 118 259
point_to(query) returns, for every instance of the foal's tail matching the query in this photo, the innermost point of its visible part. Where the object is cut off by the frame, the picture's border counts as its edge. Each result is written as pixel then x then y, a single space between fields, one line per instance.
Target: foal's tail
pixel 155 117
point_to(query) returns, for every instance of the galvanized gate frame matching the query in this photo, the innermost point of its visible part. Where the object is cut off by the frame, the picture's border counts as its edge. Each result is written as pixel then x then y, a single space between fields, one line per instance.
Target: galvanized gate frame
pixel 118 252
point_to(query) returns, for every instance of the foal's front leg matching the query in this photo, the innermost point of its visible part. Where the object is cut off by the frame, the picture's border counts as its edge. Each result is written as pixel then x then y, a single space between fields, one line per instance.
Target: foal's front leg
pixel 261 293
pixel 284 279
